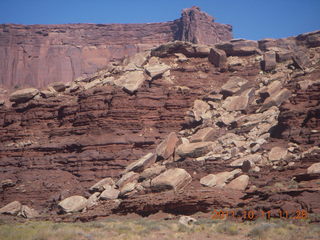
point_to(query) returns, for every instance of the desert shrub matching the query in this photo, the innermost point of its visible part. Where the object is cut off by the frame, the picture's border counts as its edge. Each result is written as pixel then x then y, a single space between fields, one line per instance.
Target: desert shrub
pixel 227 228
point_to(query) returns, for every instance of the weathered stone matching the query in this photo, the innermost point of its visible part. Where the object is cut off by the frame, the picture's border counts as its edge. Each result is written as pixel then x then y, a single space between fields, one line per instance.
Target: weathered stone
pixel 204 135
pixel 175 178
pixel 233 85
pixel 58 86
pixel 235 103
pixel 314 168
pixel 311 39
pixel 131 81
pixel 109 193
pixel 102 184
pixel 7 183
pixel 138 59
pixel 201 50
pixel 219 179
pixel 156 70
pixel 300 59
pixel 12 208
pixel 93 200
pixel 142 163
pixel 152 172
pixel 73 204
pixel 276 99
pixel 269 61
pixel 240 183
pixel 277 154
pixel 187 221
pixel 253 158
pixel 240 47
pixel 166 148
pixel 127 177
pixel 23 95
pixel 200 109
pixel 181 57
pixel 47 94
pixel 218 58
pixel 193 150
pixel 127 188
pixel 28 212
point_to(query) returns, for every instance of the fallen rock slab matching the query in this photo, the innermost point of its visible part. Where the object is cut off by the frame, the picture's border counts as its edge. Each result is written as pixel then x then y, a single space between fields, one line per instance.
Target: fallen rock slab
pixel 12 208
pixel 102 184
pixel 219 179
pixel 28 212
pixel 109 193
pixel 131 81
pixel 73 204
pixel 240 183
pixel 166 148
pixel 193 150
pixel 142 163
pixel 314 168
pixel 23 95
pixel 175 178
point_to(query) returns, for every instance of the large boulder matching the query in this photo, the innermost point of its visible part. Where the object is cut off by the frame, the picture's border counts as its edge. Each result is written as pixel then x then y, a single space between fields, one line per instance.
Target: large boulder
pixel 193 150
pixel 12 208
pixel 314 168
pixel 276 99
pixel 127 177
pixel 219 179
pixel 233 85
pixel 109 193
pixel 311 39
pixel 152 172
pixel 23 95
pixel 239 47
pixel 166 148
pixel 175 178
pixel 204 135
pixel 131 81
pixel 200 110
pixel 277 154
pixel 59 86
pixel 218 58
pixel 235 103
pixel 269 62
pixel 142 163
pixel 240 183
pixel 102 184
pixel 73 204
pixel 253 158
pixel 28 212
pixel 156 70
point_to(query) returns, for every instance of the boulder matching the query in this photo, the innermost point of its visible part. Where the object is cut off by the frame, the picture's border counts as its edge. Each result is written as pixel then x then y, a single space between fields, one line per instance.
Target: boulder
pixel 187 221
pixel 233 85
pixel 131 81
pixel 102 184
pixel 47 94
pixel 311 39
pixel 156 70
pixel 277 154
pixel 175 178
pixel 269 62
pixel 73 204
pixel 218 58
pixel 127 188
pixel 152 172
pixel 93 200
pixel 300 59
pixel 58 86
pixel 23 95
pixel 253 158
pixel 28 212
pixel 235 103
pixel 127 177
pixel 200 109
pixel 314 168
pixel 166 148
pixel 12 208
pixel 219 179
pixel 141 164
pixel 193 150
pixel 239 47
pixel 240 183
pixel 109 193
pixel 276 99
pixel 138 59
pixel 204 135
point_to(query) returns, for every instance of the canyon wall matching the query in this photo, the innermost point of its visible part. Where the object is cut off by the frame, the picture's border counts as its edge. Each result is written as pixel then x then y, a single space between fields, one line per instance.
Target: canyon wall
pixel 36 55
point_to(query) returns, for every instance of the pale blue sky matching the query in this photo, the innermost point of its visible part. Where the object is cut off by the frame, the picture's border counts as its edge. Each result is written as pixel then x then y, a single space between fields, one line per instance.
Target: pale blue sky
pixel 251 19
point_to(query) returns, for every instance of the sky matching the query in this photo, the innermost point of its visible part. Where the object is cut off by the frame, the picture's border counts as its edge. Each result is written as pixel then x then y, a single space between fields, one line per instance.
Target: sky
pixel 251 19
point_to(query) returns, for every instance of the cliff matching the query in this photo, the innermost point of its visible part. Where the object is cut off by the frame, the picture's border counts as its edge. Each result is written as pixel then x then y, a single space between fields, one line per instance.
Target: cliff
pixel 37 55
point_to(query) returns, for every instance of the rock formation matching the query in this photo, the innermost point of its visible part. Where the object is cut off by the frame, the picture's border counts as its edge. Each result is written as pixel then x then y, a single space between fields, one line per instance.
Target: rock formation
pixel 37 55
pixel 184 136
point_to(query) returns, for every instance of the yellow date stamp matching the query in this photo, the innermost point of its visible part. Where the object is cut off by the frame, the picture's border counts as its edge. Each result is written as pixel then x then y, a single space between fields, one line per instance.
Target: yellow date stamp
pixel 299 214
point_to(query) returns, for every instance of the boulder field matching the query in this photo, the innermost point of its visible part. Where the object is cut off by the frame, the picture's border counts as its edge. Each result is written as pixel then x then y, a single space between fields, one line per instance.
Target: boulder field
pixel 180 128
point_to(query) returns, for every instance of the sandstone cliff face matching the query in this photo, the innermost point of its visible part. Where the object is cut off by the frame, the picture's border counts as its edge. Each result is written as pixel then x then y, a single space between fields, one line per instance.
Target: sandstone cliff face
pixel 37 55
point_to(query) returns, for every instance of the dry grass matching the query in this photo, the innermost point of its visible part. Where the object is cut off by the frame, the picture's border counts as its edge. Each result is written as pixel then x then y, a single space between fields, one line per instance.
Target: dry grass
pixel 158 229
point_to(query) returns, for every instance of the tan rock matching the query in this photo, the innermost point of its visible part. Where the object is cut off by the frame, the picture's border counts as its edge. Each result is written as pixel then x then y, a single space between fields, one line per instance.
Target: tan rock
pixel 109 193
pixel 23 95
pixel 93 200
pixel 193 150
pixel 131 81
pixel 156 70
pixel 152 171
pixel 252 158
pixel 58 86
pixel 314 168
pixel 233 85
pixel 127 188
pixel 73 204
pixel 175 178
pixel 102 184
pixel 276 99
pixel 240 183
pixel 277 154
pixel 187 221
pixel 28 212
pixel 218 58
pixel 219 179
pixel 166 148
pixel 142 163
pixel 235 103
pixel 200 109
pixel 127 177
pixel 203 135
pixel 47 94
pixel 12 208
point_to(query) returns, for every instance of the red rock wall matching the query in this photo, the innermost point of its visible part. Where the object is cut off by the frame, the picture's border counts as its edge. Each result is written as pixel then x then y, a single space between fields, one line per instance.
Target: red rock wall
pixel 36 55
